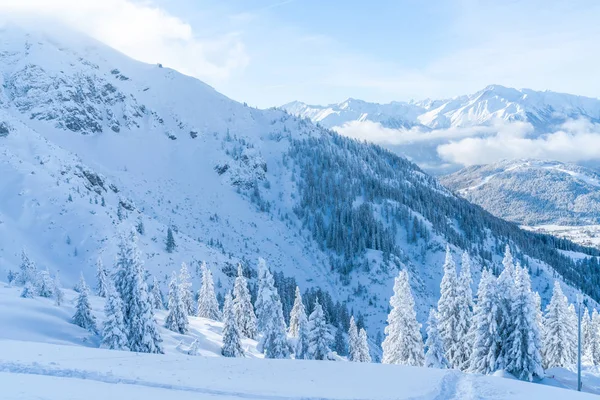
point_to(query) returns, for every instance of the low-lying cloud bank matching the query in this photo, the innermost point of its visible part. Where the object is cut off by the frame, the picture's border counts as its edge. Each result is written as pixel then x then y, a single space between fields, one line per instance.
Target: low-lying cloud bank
pixel 573 141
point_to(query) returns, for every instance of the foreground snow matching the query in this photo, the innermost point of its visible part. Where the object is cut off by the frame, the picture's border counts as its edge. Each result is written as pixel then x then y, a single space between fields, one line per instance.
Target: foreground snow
pixel 47 371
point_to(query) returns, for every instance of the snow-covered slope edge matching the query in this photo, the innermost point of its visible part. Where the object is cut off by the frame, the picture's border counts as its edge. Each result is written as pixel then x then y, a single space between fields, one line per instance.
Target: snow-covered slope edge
pixel 93 143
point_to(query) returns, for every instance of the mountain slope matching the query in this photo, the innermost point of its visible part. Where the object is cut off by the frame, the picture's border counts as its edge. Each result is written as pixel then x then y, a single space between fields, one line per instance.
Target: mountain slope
pixel 489 105
pixel 531 192
pixel 95 143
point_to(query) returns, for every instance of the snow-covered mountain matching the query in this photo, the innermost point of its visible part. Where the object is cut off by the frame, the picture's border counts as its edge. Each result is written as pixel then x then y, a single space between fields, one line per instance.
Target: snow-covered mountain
pixel 532 192
pixel 93 143
pixel 491 104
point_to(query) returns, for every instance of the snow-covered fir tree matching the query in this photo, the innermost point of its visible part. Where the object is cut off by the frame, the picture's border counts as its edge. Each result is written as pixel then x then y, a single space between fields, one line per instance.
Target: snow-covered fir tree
pixel 27 270
pixel 271 323
pixel 485 333
pixel 449 313
pixel 242 306
pixel 194 349
pixel 185 285
pixel 403 343
pixel 524 359
pixel 45 284
pixel 592 351
pixel 586 331
pixel 170 244
pixel 574 331
pixel 232 346
pixel 208 306
pixel 301 349
pixel 465 311
pixel 319 337
pixel 363 346
pixel 143 335
pixel 156 295
pixel 59 295
pixel 353 354
pixel 177 319
pixel 558 335
pixel 297 309
pixel 83 315
pixel 435 356
pixel 506 295
pixel 29 291
pixel 102 279
pixel 114 336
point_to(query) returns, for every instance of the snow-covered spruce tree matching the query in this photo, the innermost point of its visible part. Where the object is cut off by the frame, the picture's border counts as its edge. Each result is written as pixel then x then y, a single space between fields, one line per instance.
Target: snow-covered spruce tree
pixel 27 270
pixel 271 323
pixel 46 285
pixel 29 291
pixel 194 349
pixel 296 310
pixel 558 335
pixel 586 330
pixel 363 347
pixel 114 336
pixel 435 356
pixel 59 295
pixel 170 244
pixel 593 347
pixel 506 295
pixel 573 327
pixel 156 295
pixel 465 309
pixel 318 333
pixel 242 306
pixel 208 306
pixel 339 342
pixel 101 278
pixel 83 315
pixel 524 359
pixel 485 333
pixel 353 354
pixel 177 319
pixel 301 350
pixel 449 313
pixel 185 286
pixel 403 343
pixel 232 347
pixel 141 327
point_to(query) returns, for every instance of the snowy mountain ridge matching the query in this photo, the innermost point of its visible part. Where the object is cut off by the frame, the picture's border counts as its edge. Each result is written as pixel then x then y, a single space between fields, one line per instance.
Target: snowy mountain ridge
pixel 93 143
pixel 495 102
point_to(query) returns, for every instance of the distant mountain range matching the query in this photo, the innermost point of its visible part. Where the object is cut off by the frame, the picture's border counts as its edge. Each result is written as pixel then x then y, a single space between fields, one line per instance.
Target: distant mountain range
pixel 532 192
pixel 495 102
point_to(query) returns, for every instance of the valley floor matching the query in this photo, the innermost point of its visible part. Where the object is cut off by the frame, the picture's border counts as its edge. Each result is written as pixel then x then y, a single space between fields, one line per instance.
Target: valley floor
pixel 44 356
pixel 587 235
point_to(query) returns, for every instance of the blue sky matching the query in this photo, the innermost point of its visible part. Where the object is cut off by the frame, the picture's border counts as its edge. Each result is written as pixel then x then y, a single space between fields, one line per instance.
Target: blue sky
pixel 269 52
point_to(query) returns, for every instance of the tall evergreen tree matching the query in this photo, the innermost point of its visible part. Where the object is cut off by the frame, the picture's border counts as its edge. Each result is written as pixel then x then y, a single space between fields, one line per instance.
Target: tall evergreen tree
pixel 102 278
pixel 185 286
pixel 574 333
pixel 83 315
pixel 59 295
pixel 114 335
pixel 593 347
pixel 242 306
pixel 27 270
pixel 363 346
pixel 586 333
pixel 506 294
pixel 403 343
pixel 296 310
pixel 143 335
pixel 449 313
pixel 524 359
pixel 301 349
pixel 485 334
pixel 232 347
pixel 435 356
pixel 465 309
pixel 319 335
pixel 177 319
pixel 156 295
pixel 208 307
pixel 353 354
pixel 558 336
pixel 170 244
pixel 46 285
pixel 271 323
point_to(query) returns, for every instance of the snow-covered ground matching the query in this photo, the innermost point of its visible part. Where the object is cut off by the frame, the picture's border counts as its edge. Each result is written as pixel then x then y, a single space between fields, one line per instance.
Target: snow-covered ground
pixel 587 235
pixel 44 356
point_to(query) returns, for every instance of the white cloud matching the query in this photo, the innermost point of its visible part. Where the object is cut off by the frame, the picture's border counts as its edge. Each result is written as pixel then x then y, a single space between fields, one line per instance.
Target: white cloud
pixel 575 141
pixel 142 31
